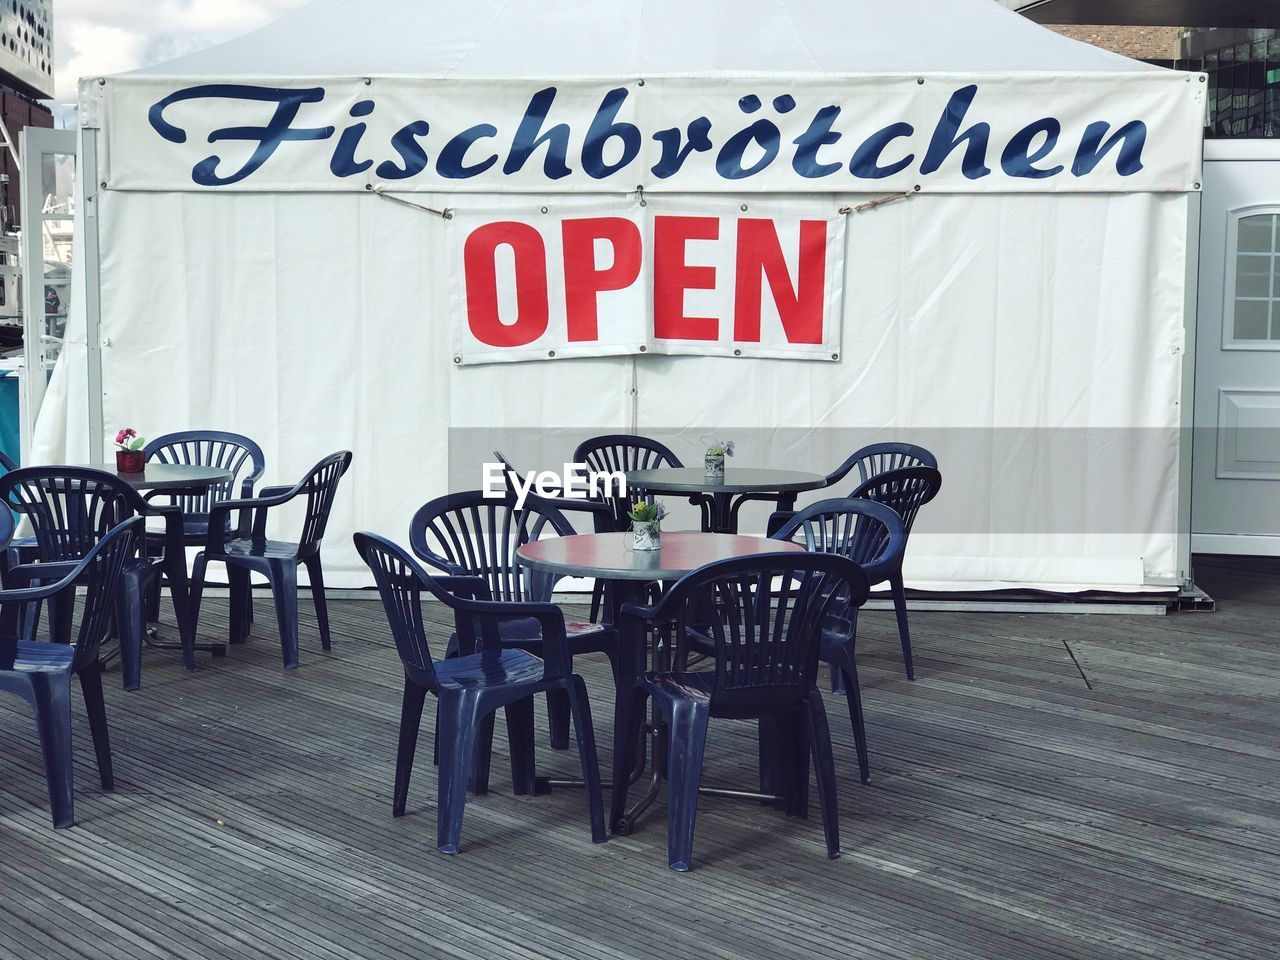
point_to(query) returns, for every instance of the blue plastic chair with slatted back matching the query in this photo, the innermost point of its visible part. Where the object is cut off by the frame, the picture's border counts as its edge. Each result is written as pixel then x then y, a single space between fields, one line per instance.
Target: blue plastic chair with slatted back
pixel 277 560
pixel 874 537
pixel 906 490
pixel 765 615
pixel 622 453
pixel 40 673
pixel 470 534
pixel 233 452
pixel 70 509
pixel 487 675
pixel 868 462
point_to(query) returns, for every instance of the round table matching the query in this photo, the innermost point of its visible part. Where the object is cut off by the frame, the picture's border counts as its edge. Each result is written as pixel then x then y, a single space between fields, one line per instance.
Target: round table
pixel 610 556
pixel 169 477
pixel 726 495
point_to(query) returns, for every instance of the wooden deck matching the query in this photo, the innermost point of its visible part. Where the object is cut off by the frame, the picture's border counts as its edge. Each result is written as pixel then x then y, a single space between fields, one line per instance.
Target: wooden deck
pixel 1015 811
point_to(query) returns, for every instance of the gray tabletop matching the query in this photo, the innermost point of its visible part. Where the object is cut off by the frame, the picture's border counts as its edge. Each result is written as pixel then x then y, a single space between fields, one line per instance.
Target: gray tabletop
pixel 169 476
pixel 610 556
pixel 736 480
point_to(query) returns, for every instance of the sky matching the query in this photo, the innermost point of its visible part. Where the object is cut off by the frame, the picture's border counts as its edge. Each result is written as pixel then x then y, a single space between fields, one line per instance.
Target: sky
pixel 92 37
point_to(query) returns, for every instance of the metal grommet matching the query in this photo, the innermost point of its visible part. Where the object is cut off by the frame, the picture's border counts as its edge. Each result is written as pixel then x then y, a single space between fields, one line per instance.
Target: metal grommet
pixel 551 353
pixel 835 356
pixel 743 207
pixel 737 353
pixel 103 185
pixel 644 203
pixel 448 213
pixel 368 81
pixel 544 209
pixel 1203 78
pixel 643 348
pixel 920 80
pixel 639 83
pixel 368 186
pixel 1196 186
pixel 457 359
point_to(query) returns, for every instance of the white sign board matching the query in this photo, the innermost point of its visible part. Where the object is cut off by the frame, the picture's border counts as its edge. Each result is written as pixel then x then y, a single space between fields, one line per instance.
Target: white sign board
pixel 1127 132
pixel 564 280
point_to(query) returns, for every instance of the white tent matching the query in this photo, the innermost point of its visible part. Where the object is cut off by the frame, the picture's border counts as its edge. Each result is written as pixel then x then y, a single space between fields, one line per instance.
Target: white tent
pixel 261 256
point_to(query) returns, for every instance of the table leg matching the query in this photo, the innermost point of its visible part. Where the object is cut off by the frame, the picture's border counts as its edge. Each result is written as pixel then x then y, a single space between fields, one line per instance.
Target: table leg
pixel 175 569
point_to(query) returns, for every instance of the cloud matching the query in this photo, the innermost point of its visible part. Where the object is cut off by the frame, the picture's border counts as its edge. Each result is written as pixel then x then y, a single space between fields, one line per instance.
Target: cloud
pixel 91 37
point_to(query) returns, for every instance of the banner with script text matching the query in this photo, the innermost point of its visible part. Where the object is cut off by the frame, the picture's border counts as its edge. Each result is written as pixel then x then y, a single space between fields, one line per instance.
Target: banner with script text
pixel 1004 133
pixel 553 280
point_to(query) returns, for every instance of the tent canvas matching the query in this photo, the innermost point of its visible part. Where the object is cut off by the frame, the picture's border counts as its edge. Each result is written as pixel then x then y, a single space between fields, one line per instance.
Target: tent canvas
pixel 1027 325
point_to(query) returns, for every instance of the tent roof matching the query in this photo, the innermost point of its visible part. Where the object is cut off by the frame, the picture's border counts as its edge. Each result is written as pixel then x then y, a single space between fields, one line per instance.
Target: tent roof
pixel 563 39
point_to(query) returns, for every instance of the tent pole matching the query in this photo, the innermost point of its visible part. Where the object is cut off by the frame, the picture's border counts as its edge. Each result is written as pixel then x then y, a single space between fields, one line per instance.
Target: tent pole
pixel 1187 438
pixel 87 170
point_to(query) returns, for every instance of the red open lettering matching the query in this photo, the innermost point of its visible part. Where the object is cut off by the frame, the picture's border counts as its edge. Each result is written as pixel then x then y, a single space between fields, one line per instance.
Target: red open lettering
pixel 800 307
pixel 672 277
pixel 583 280
pixel 481 268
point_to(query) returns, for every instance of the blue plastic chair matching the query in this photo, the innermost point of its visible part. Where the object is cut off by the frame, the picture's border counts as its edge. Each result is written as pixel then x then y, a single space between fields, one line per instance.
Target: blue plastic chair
pixel 765 616
pixel 70 509
pixel 40 673
pixel 488 675
pixel 869 461
pixel 471 535
pixel 206 448
pixel 250 551
pixel 624 452
pixel 874 537
pixel 906 490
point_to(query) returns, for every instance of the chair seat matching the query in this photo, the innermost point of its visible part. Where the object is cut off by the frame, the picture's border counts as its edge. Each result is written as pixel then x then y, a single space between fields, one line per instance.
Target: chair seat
pixel 527 628
pixel 35 657
pixel 194 533
pixel 249 547
pixel 493 668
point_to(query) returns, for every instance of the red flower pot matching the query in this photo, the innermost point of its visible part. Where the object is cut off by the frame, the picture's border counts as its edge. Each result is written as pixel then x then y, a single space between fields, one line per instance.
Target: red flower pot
pixel 130 461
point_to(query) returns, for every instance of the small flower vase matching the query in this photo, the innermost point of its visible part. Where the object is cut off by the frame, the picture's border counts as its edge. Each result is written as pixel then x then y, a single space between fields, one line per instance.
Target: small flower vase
pixel 646 535
pixel 130 461
pixel 713 466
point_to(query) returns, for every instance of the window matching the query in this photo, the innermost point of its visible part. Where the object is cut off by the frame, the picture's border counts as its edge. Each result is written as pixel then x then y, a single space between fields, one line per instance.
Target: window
pixel 1255 293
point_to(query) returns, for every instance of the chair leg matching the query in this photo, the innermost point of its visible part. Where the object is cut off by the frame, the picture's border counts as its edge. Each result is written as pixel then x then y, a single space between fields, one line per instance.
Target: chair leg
pixel 853 694
pixel 410 719
pixel 152 600
pixel 904 632
pixel 459 716
pixel 824 766
pixel 688 741
pixel 520 741
pixel 794 742
pixel 484 755
pixel 96 707
pixel 130 626
pixel 558 718
pixel 195 589
pixel 316 576
pixel 580 707
pixel 597 601
pixel 51 702
pixel 284 591
pixel 238 578
pixel 628 734
pixel 770 756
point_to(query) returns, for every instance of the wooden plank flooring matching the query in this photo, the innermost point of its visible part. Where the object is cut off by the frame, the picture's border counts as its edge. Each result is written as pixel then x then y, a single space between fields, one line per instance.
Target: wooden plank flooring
pixel 1015 811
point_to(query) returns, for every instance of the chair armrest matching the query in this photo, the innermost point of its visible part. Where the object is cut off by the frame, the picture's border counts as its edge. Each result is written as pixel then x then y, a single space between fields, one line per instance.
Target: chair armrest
pixel 220 513
pixel 465 588
pixel 29 572
pixel 557 662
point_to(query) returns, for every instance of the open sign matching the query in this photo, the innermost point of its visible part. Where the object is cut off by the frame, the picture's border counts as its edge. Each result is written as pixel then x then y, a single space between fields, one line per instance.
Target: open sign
pixel 646 280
